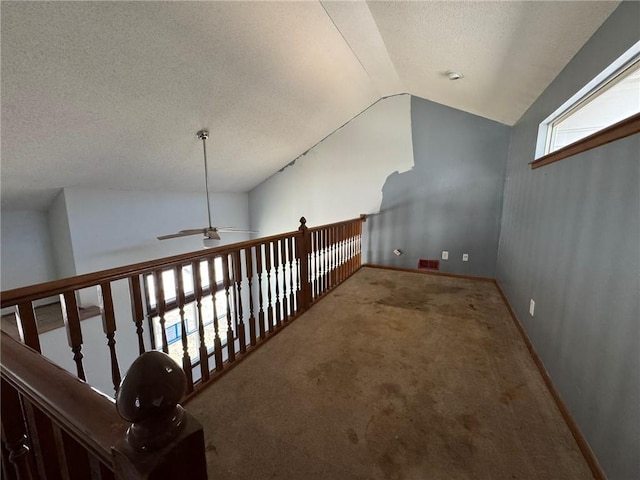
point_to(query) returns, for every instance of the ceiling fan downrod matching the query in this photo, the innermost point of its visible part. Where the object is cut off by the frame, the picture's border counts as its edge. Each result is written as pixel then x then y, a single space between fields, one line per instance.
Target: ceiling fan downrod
pixel 204 135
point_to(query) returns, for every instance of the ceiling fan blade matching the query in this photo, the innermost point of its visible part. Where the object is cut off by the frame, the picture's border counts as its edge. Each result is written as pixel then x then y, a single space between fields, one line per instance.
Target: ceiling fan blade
pixel 234 230
pixel 182 233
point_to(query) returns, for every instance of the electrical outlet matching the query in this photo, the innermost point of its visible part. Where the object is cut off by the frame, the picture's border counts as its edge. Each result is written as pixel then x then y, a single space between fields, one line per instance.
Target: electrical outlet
pixel 445 255
pixel 465 257
pixel 532 307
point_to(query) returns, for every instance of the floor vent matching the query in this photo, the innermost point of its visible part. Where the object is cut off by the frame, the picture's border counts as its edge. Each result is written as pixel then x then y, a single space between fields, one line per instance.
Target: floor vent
pixel 424 264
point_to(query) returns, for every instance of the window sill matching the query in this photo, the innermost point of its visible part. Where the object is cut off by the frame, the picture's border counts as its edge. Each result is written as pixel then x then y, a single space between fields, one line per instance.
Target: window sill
pixel 624 128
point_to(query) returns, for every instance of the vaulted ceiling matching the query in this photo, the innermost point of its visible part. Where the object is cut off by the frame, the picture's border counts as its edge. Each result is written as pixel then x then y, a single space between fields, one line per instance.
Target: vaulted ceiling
pixel 111 94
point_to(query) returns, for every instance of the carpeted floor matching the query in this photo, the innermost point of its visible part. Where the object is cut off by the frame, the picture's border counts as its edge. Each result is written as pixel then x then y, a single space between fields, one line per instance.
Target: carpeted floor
pixel 395 375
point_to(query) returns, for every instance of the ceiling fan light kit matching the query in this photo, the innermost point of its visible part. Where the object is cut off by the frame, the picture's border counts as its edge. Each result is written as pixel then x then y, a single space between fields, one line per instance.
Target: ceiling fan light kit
pixel 211 234
pixel 210 242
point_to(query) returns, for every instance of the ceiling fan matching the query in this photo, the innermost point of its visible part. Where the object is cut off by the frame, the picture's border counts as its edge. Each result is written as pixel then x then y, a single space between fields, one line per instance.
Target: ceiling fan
pixel 211 234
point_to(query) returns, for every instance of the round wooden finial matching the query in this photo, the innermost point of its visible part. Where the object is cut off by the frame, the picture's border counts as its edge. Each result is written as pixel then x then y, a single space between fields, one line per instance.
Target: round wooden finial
pixel 148 397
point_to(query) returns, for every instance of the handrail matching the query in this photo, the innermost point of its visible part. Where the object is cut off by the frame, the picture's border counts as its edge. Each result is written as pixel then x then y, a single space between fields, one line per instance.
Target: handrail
pixel 55 287
pixel 90 416
pixel 361 218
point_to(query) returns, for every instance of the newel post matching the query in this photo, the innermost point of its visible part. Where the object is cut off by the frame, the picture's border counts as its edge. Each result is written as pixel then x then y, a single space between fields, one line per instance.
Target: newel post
pixel 303 254
pixel 164 441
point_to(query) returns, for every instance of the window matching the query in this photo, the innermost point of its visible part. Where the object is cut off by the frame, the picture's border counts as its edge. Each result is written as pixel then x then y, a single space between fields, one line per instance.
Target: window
pixel 608 99
pixel 172 326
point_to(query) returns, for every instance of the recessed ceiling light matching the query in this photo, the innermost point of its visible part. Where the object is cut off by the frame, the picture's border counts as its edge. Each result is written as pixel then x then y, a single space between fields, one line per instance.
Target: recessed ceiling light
pixel 454 75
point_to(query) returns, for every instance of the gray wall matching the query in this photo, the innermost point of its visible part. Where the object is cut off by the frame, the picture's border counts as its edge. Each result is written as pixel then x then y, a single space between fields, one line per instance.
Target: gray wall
pixel 451 200
pixel 570 239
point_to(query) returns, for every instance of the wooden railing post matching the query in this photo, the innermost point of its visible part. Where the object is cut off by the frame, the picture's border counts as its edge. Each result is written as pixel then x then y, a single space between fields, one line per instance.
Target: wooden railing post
pixel 85 438
pixel 164 441
pixel 303 254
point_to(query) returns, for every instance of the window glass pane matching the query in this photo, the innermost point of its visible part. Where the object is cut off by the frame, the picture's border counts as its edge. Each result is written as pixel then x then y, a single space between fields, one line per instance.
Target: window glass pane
pixel 204 273
pixel 615 103
pixel 169 285
pixel 187 279
pixel 151 290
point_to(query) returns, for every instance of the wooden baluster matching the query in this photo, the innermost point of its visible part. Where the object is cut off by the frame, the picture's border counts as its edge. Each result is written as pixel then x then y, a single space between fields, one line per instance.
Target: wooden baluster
pixel 351 248
pixel 321 258
pixel 161 308
pixel 297 242
pixel 355 247
pixel 109 328
pixel 359 242
pixel 345 249
pixel 202 350
pixel 292 291
pixel 27 326
pixel 217 343
pixel 252 320
pixel 42 441
pixel 14 433
pixel 337 256
pixel 304 256
pixel 322 269
pixel 267 262
pixel 347 245
pixel 73 459
pixel 137 312
pixel 283 262
pixel 237 276
pixel 325 259
pixel 186 358
pixel 334 256
pixel 329 258
pixel 315 264
pixel 311 267
pixel 315 256
pixel 342 252
pixel 71 318
pixel 277 282
pixel 261 325
pixel 227 284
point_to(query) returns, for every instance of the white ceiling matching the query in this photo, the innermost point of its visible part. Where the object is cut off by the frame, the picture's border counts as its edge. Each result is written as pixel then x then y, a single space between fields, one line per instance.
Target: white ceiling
pixel 111 94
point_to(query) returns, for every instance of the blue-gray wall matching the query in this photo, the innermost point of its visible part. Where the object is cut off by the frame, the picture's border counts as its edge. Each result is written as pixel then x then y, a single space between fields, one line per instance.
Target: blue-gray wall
pixel 570 239
pixel 451 200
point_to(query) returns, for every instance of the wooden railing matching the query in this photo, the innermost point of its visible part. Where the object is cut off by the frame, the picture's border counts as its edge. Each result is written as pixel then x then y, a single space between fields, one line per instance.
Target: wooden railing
pixel 55 426
pixel 224 302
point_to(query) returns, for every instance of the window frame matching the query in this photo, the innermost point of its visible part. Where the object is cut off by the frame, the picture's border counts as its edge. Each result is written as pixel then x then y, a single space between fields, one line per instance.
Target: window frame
pixel 599 85
pixel 190 297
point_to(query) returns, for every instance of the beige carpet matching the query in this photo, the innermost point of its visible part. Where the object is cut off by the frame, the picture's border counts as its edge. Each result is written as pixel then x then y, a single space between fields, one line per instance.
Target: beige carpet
pixel 394 375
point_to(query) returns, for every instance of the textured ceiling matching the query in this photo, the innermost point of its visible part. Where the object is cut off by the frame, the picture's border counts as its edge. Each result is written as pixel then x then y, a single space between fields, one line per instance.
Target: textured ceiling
pixel 110 94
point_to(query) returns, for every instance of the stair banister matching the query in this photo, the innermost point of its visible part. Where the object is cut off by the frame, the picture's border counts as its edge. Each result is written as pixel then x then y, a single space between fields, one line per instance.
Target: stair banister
pixel 88 434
